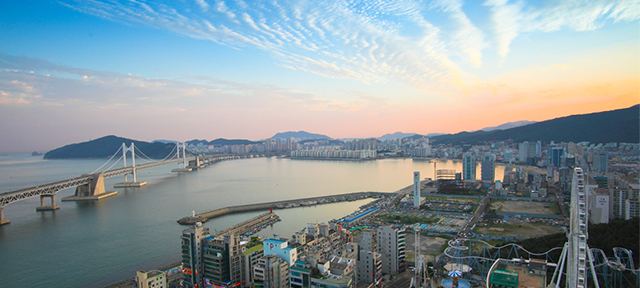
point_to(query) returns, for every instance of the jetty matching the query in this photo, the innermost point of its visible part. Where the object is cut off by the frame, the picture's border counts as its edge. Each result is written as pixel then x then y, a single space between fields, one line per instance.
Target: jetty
pixel 205 216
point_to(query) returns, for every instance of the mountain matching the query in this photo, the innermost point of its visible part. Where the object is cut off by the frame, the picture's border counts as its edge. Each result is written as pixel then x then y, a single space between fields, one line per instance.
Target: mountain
pixel 620 125
pixel 396 135
pixel 400 135
pixel 221 142
pixel 106 146
pixel 164 141
pixel 300 135
pixel 508 125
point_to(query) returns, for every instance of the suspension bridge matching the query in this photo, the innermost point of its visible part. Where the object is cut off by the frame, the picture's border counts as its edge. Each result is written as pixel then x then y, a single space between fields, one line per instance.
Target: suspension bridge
pixel 90 186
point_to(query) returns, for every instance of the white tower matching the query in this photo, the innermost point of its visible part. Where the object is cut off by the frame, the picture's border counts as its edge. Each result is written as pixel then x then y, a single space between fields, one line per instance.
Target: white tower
pixel 416 190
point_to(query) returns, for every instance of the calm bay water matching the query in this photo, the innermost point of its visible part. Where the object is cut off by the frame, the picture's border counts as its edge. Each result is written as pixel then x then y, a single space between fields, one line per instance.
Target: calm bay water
pixel 98 243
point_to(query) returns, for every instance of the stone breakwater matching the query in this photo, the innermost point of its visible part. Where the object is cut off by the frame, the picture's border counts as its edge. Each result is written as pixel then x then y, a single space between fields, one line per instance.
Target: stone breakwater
pixel 205 216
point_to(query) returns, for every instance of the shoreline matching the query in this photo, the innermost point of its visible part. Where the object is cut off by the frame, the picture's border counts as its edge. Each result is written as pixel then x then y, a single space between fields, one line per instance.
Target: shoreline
pixel 130 281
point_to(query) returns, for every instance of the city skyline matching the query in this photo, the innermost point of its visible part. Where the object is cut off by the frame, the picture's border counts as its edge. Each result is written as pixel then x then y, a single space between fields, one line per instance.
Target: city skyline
pixel 73 71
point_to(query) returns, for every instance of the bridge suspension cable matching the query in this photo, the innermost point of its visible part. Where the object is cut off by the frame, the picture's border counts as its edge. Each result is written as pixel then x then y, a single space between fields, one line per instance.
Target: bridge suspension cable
pixel 105 163
pixel 149 158
pixel 145 156
pixel 114 164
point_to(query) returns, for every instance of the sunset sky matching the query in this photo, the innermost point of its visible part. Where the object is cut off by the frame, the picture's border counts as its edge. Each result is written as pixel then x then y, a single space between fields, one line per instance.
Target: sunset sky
pixel 71 71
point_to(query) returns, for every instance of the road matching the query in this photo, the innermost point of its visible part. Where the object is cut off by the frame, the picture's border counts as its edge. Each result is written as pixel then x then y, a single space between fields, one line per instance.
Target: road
pixel 482 207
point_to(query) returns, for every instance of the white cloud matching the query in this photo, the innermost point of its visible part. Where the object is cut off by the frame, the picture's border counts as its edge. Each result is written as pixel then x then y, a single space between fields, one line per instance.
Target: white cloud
pixel 368 41
pixel 511 18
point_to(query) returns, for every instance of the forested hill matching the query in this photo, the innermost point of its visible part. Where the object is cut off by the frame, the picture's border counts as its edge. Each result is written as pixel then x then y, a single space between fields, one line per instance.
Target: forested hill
pixel 620 125
pixel 616 233
pixel 105 147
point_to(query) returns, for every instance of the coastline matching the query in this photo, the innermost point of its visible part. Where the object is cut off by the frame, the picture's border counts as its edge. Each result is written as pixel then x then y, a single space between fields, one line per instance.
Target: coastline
pixel 130 282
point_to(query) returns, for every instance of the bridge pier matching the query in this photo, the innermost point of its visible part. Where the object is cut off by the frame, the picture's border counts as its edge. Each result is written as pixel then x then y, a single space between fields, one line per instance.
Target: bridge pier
pixel 91 191
pixel 53 205
pixel 2 220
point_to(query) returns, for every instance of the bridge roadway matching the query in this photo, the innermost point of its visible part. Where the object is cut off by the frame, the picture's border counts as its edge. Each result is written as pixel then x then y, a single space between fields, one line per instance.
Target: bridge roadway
pixel 50 189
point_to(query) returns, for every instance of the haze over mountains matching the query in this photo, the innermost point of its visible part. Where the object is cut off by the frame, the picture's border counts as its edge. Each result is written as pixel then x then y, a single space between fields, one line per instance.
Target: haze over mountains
pixel 620 125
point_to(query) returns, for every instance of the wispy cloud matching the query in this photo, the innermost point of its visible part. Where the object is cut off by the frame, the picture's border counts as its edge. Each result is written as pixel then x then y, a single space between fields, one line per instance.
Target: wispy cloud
pixel 368 41
pixel 512 18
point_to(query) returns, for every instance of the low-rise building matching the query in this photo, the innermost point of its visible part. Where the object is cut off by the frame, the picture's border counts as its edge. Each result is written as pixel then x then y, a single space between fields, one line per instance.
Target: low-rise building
pixel 271 271
pixel 151 279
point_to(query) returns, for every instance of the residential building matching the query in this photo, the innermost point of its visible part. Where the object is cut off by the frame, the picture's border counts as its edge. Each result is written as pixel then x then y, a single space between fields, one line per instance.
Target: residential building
pixel 300 275
pixel 391 245
pixel 488 168
pixel 416 190
pixel 280 248
pixel 271 271
pixel 556 155
pixel 369 266
pixel 618 200
pixel 192 240
pixel 601 162
pixel 599 206
pixel 632 208
pixel 151 279
pixel 468 167
pixel 250 257
pixel 222 257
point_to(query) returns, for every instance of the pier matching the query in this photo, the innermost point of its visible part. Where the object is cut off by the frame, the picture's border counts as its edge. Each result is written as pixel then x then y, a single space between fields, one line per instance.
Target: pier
pixel 252 225
pixel 205 216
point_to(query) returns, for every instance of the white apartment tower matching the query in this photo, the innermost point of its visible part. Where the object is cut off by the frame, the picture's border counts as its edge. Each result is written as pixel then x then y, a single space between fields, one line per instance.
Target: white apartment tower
pixel 416 190
pixel 391 246
pixel 468 167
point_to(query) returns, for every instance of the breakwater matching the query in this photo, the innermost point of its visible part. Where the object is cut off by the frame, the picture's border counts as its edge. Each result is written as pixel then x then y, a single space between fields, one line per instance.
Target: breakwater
pixel 205 216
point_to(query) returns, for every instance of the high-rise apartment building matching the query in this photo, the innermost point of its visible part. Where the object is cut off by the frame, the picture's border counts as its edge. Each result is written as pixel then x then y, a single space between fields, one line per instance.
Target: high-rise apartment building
pixel 468 167
pixel 523 151
pixel 416 190
pixel 599 205
pixel 618 198
pixel 369 267
pixel 391 246
pixel 601 162
pixel 488 168
pixel 556 154
pixel 250 257
pixel 192 240
pixel 222 260
pixel 632 208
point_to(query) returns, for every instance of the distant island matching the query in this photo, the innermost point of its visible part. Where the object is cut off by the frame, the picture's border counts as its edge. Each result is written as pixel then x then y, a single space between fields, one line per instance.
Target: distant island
pixel 300 135
pixel 105 147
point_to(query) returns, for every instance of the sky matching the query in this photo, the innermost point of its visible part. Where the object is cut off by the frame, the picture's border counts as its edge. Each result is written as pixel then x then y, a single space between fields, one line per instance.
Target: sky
pixel 72 71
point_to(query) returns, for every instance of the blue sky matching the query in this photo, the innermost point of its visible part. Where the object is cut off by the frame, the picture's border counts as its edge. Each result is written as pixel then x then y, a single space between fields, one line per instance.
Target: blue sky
pixel 71 71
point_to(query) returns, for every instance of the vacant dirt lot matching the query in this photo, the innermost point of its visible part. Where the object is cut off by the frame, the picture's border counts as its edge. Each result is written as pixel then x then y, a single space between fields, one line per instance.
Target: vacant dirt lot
pixel 515 228
pixel 525 206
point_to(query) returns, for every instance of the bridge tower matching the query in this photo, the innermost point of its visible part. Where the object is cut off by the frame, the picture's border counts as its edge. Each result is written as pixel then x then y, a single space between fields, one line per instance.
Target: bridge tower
pixel 184 168
pixel 135 182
